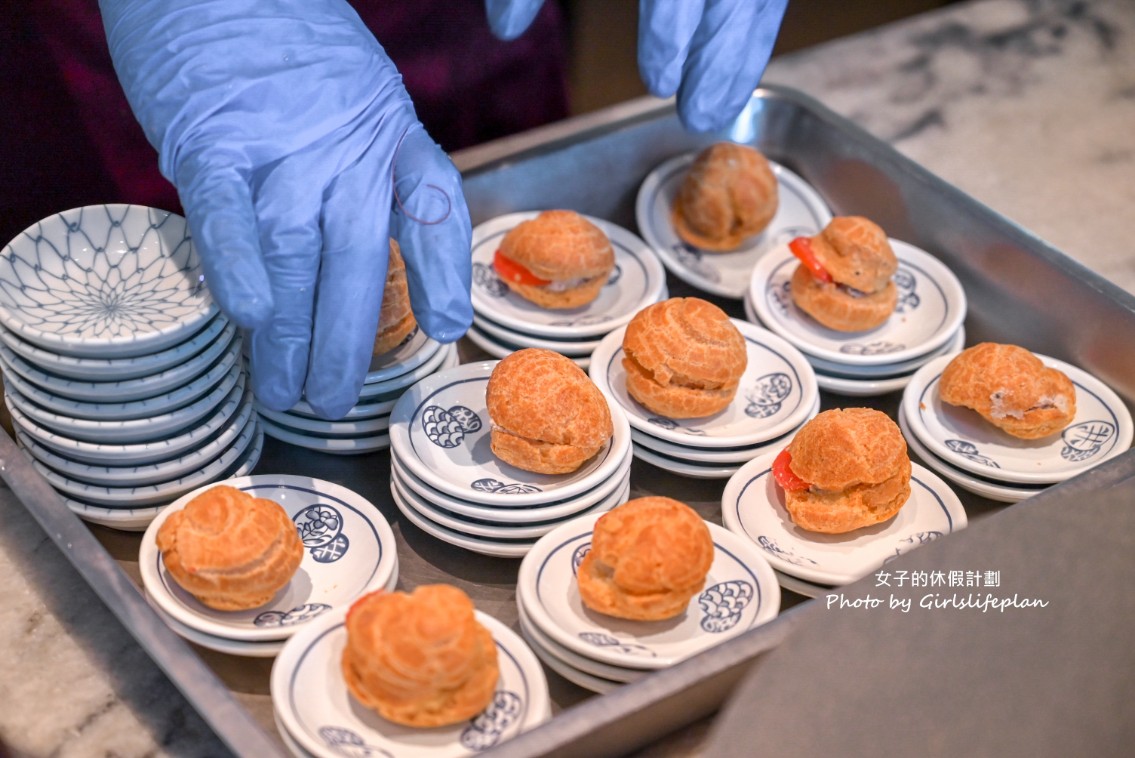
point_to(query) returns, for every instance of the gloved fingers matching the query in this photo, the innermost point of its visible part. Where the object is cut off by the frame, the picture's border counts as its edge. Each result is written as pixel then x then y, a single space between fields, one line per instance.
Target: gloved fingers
pixel 665 30
pixel 288 206
pixel 218 206
pixel 431 223
pixel 508 19
pixel 356 249
pixel 728 55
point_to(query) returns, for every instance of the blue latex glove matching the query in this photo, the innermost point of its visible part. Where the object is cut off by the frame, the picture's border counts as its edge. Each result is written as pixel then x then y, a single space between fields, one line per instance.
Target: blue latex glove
pixel 296 153
pixel 710 52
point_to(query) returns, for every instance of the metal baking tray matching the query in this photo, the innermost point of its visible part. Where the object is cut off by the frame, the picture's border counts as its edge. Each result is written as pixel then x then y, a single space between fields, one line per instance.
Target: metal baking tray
pixel 1019 290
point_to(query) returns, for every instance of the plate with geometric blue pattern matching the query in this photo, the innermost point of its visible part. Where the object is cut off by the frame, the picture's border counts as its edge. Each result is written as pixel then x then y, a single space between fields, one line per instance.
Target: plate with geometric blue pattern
pixel 349 550
pixel 1101 429
pixel 752 507
pixel 740 593
pixel 311 698
pixel 104 281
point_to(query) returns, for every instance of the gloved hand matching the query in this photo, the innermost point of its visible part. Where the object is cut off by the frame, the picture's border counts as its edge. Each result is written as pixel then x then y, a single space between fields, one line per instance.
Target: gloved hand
pixel 710 52
pixel 291 141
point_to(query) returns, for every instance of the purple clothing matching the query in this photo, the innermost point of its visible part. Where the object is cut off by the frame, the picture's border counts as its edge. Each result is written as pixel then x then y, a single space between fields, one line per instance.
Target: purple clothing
pixel 70 139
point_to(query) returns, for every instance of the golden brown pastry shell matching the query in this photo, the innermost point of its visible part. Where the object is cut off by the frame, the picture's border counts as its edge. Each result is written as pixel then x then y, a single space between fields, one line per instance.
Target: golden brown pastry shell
pixel 1010 388
pixel 854 508
pixel 649 557
pixel 548 416
pixel 560 299
pixel 558 245
pixel 837 309
pixel 230 550
pixel 729 194
pixel 419 659
pixel 396 319
pixel 845 447
pixel 856 252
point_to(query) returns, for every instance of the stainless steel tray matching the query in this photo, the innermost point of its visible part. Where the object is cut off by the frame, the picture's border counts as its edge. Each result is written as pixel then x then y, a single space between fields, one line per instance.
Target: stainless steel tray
pixel 1019 290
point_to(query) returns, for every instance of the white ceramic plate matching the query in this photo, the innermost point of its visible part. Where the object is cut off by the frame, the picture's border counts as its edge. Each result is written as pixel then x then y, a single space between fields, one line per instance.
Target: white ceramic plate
pixel 540 642
pixel 334 445
pixel 149 473
pixel 801 587
pixel 505 336
pixel 104 281
pixel 556 509
pixel 137 454
pixel 488 529
pixel 440 431
pixel 135 496
pixel 357 428
pixel 407 378
pixel 499 547
pixel 1004 493
pixel 415 350
pixel 379 406
pixel 110 408
pixel 1101 430
pixel 311 698
pixel 637 281
pixel 752 506
pixel 498 349
pixel 776 393
pixel 740 593
pixel 570 673
pixel 138 519
pixel 686 468
pixel 931 308
pixel 218 328
pixel 886 371
pixel 801 211
pixel 349 550
pixel 715 455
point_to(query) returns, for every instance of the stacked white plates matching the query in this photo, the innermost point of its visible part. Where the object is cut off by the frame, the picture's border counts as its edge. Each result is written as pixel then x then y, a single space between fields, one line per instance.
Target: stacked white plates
pixel 777 394
pixel 927 323
pixel 349 550
pixel 752 506
pixel 976 456
pixel 801 212
pixel 318 716
pixel 600 652
pixel 365 427
pixel 124 381
pixel 446 480
pixel 504 322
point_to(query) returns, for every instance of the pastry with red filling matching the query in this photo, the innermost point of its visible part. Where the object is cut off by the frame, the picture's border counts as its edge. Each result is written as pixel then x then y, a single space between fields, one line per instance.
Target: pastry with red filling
pixel 844 470
pixel 557 260
pixel 844 277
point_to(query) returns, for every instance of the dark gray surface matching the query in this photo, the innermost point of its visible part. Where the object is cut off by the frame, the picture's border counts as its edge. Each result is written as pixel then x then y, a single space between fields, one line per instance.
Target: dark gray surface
pixel 1037 681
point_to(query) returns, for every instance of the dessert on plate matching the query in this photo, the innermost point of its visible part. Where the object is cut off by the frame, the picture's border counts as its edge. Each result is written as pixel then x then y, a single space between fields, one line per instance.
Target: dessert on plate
pixel 395 319
pixel 729 194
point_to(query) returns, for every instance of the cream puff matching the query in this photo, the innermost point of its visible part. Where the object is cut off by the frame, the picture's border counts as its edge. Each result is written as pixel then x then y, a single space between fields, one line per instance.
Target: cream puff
pixel 1010 388
pixel 844 280
pixel 845 469
pixel 420 659
pixel 683 358
pixel 395 319
pixel 729 193
pixel 648 558
pixel 547 415
pixel 230 550
pixel 557 260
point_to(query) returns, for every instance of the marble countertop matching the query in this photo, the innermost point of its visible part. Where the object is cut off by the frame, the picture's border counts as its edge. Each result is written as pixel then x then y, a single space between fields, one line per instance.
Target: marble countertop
pixel 1026 105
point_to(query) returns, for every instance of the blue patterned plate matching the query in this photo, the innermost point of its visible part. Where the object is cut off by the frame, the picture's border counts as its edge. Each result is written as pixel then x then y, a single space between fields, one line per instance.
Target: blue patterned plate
pixel 500 349
pixel 1102 429
pixel 540 642
pixel 104 281
pixel 776 393
pixel 740 593
pixel 752 506
pixel 931 308
pixel 415 350
pixel 637 281
pixel 319 712
pixel 440 432
pixel 801 211
pixel 570 348
pixel 349 550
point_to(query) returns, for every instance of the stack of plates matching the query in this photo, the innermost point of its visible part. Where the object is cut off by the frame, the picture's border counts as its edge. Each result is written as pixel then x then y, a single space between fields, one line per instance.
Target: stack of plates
pixel 504 322
pixel 124 382
pixel 316 714
pixel 979 458
pixel 349 550
pixel 778 393
pixel 801 212
pixel 927 323
pixel 365 427
pixel 809 563
pixel 446 480
pixel 600 652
